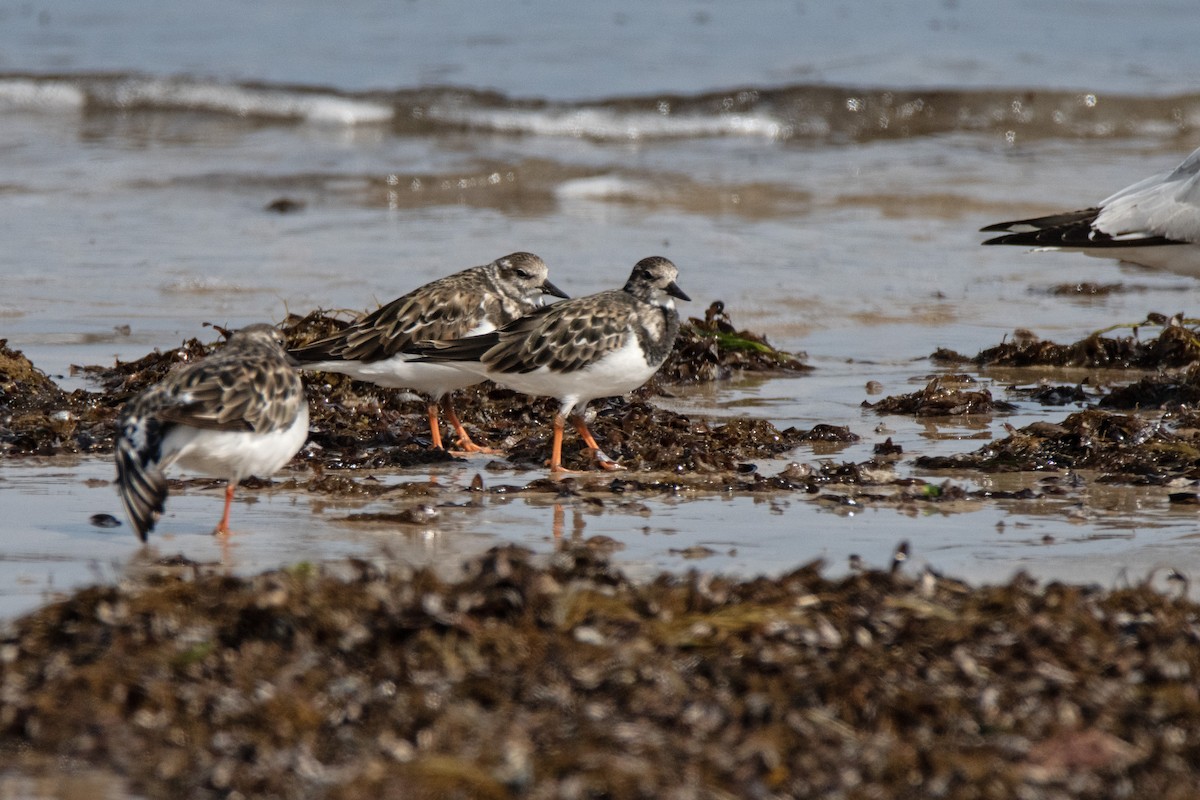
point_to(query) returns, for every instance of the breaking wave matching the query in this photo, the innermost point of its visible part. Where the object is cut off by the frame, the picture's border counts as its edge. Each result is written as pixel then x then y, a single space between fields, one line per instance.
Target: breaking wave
pixel 128 93
pixel 803 113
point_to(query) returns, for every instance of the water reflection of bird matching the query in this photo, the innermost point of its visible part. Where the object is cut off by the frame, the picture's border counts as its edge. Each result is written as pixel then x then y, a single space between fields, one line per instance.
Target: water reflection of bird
pixel 602 345
pixel 473 301
pixel 237 413
pixel 1155 223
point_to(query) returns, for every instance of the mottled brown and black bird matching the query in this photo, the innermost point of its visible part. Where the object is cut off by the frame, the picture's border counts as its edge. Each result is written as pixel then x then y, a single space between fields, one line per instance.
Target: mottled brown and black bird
pixel 601 345
pixel 375 348
pixel 237 413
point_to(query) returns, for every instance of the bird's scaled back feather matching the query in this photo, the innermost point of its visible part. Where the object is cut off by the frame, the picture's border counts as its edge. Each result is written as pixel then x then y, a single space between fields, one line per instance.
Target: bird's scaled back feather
pixel 439 310
pixel 571 336
pixel 252 394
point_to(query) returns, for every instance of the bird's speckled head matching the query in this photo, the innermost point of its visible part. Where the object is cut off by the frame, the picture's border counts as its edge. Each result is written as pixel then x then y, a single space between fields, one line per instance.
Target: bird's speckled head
pixel 258 334
pixel 524 275
pixel 653 279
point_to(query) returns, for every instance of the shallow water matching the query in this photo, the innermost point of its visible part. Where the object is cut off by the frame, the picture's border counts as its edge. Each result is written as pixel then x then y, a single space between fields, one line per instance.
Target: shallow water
pixel 821 168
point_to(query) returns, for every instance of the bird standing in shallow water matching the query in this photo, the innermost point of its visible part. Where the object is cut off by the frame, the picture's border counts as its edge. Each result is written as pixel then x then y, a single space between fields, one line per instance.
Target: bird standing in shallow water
pixel 376 347
pixel 237 413
pixel 601 345
pixel 1155 223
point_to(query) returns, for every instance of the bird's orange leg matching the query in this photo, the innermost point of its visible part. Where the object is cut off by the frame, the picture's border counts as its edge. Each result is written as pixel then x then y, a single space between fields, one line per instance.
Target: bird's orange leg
pixel 556 466
pixel 435 430
pixel 463 438
pixel 223 525
pixel 603 460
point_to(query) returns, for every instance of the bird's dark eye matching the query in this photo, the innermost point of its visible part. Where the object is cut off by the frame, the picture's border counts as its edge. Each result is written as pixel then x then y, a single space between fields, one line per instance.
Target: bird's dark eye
pixel 522 273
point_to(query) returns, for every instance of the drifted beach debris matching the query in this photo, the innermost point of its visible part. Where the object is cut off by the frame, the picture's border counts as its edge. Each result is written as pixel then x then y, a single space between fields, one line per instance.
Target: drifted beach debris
pixel 526 679
pixel 823 432
pixel 1160 390
pixel 645 437
pixel 713 349
pixel 943 396
pixel 1173 355
pixel 104 521
pixel 1054 395
pixel 357 426
pixel 1123 446
pixel 124 379
pixel 1177 344
pixel 18 376
pixel 1088 288
pixel 39 418
pixel 285 205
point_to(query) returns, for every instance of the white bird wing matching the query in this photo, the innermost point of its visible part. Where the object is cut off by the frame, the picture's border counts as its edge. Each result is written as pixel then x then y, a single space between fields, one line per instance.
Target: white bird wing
pixel 1166 205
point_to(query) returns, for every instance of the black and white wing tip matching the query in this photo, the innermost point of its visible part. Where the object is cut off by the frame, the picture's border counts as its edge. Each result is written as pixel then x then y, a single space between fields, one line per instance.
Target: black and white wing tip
pixel 1049 231
pixel 1073 229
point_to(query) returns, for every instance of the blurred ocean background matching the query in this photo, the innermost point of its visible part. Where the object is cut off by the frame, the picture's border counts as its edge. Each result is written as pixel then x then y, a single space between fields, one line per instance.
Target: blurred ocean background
pixel 819 166
pixel 822 167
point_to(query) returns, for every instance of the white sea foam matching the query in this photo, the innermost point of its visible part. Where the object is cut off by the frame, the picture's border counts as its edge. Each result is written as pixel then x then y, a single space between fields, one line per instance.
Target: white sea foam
pixel 248 102
pixel 598 123
pixel 32 95
pixel 204 285
pixel 604 187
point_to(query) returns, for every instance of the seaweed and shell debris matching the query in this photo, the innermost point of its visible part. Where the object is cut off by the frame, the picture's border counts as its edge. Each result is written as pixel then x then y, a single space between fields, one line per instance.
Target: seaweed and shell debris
pixel 533 678
pixel 357 425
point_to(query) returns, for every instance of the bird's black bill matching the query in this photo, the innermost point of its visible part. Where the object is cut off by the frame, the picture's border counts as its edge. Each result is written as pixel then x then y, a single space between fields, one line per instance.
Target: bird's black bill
pixel 550 288
pixel 674 290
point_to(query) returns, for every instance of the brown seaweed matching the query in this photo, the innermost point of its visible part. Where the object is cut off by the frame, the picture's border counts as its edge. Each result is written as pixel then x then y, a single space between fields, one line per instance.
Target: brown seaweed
pixel 360 426
pixel 1177 344
pixel 943 396
pixel 530 680
pixel 1139 449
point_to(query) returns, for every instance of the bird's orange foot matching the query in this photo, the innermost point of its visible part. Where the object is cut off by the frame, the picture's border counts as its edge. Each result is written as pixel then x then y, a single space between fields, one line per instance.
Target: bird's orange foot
pixel 559 469
pixel 605 462
pixel 468 447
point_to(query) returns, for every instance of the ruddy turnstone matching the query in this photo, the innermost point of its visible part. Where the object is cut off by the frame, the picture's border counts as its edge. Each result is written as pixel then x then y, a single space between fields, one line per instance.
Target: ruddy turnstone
pixel 1155 223
pixel 476 300
pixel 601 345
pixel 237 413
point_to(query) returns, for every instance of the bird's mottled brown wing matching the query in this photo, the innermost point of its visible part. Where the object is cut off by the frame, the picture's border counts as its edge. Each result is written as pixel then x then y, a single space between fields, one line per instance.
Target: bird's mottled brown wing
pixel 233 391
pixel 450 308
pixel 564 337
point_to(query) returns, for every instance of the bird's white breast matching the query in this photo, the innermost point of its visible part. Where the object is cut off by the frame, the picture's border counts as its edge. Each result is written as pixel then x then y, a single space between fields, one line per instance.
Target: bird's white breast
pixel 616 373
pixel 401 371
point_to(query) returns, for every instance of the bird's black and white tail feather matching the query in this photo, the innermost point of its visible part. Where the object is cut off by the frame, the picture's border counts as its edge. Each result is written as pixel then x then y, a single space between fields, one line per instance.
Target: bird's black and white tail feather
pixel 141 482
